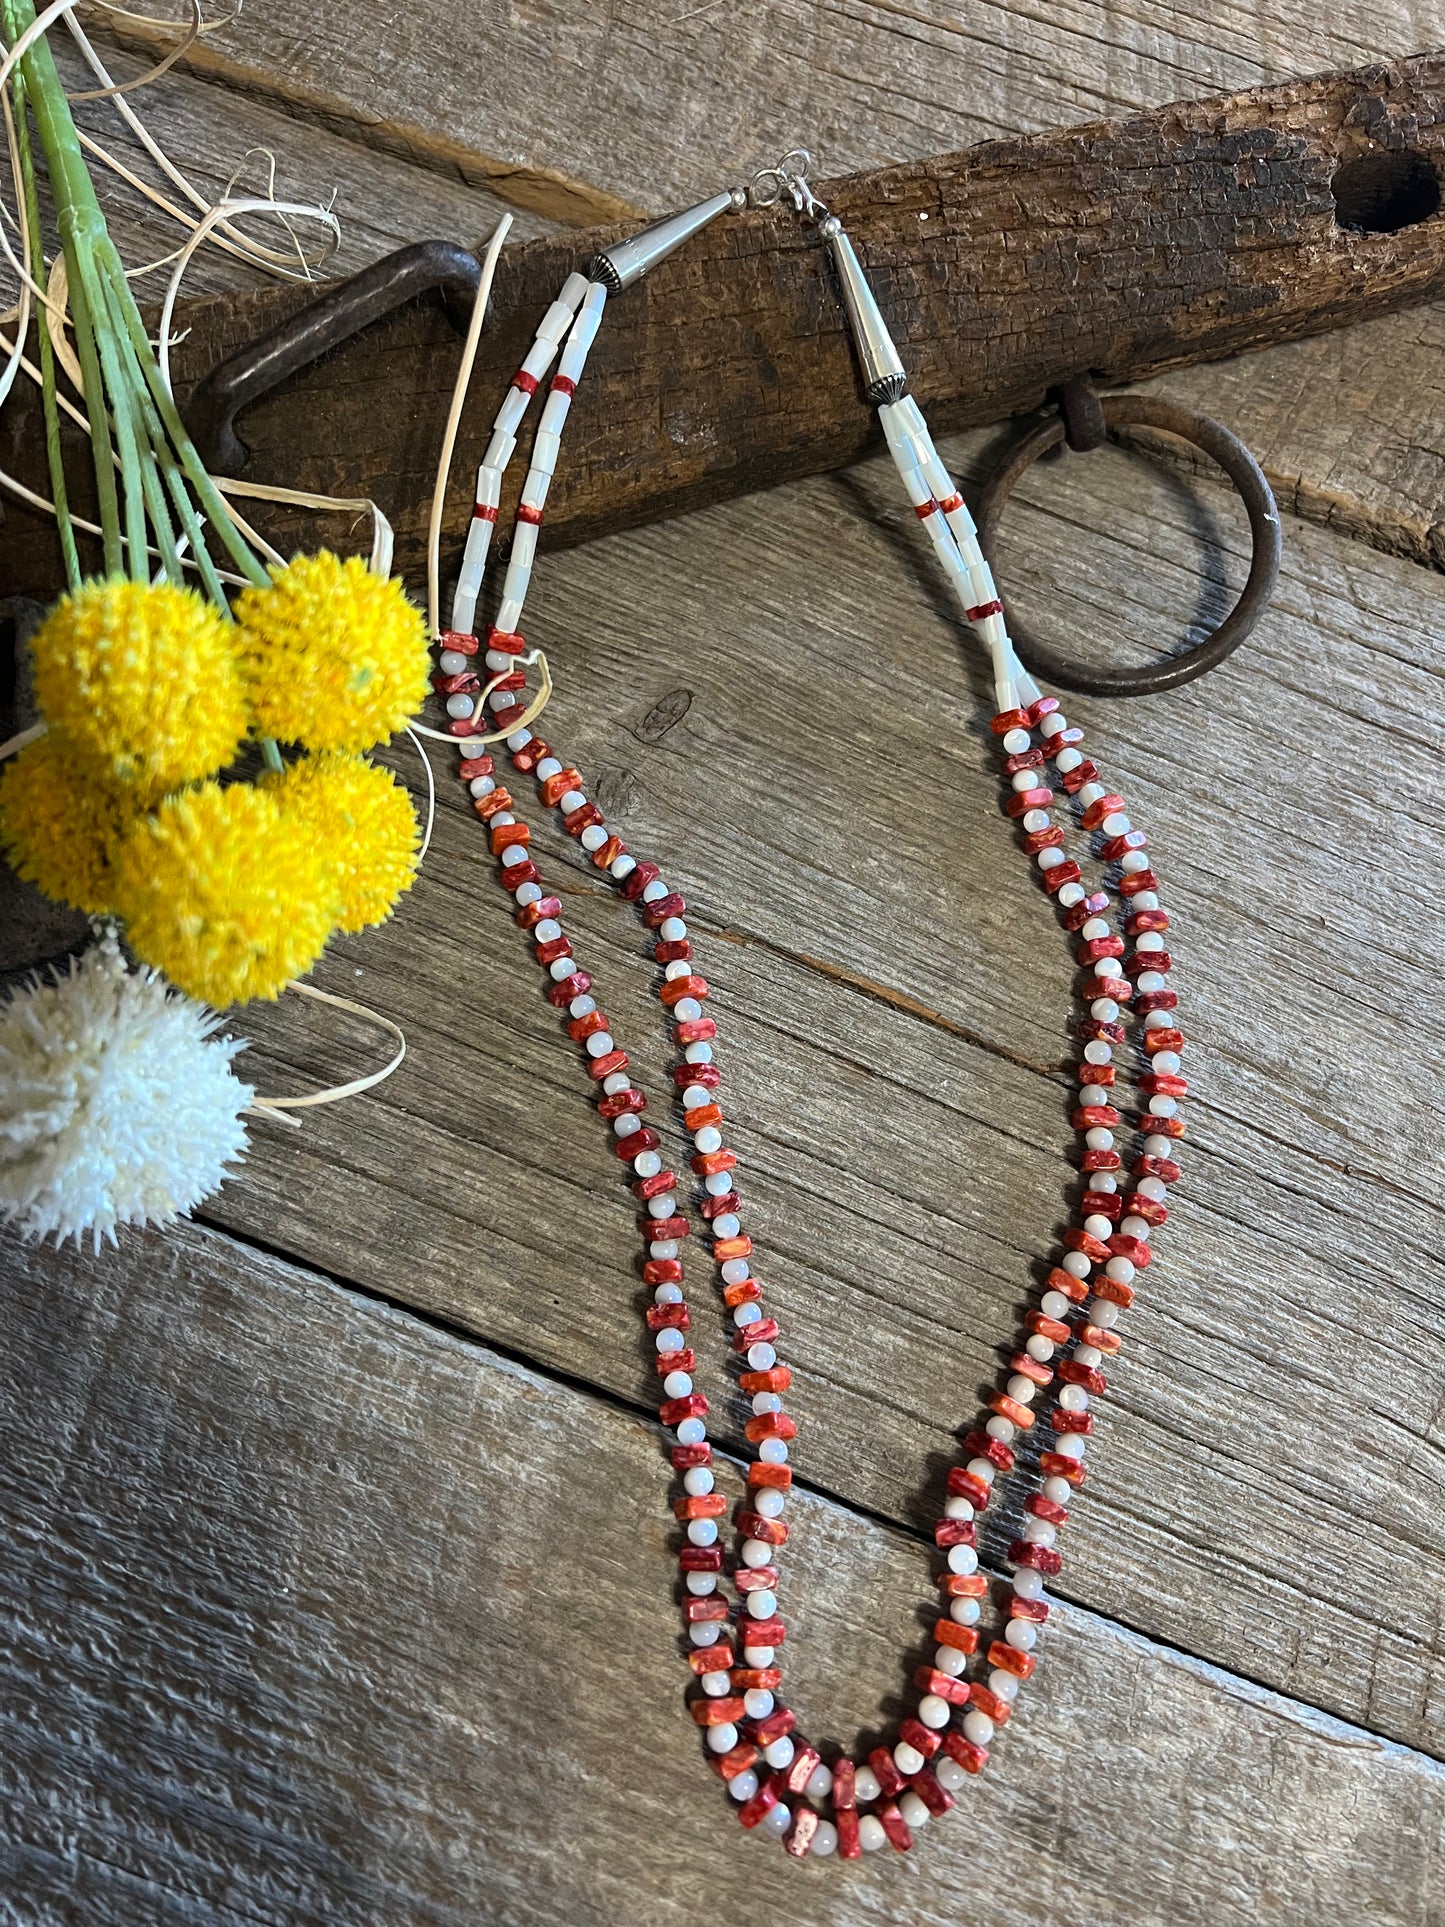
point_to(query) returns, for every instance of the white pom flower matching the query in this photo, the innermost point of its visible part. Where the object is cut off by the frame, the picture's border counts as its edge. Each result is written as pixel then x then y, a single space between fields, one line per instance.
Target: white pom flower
pixel 117 1104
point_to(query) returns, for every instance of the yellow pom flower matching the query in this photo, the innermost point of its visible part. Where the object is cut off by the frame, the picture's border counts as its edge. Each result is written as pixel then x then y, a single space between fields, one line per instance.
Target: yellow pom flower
pixel 58 829
pixel 226 893
pixel 333 656
pixel 144 678
pixel 363 818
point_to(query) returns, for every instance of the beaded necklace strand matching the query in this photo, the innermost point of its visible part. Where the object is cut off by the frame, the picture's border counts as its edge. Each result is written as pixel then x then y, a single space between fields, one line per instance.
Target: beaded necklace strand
pixel 780 1781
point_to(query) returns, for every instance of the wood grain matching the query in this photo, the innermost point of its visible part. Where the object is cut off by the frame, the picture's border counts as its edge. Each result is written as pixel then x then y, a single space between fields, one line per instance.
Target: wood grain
pixel 320 1614
pixel 1120 249
pixel 565 102
pixel 892 995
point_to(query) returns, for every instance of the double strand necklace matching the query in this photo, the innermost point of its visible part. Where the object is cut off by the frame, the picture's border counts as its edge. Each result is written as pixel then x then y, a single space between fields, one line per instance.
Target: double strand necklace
pixel 780 1781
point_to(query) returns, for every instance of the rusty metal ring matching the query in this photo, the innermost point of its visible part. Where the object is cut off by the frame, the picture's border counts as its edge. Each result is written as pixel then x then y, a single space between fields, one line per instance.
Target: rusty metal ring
pixel 1216 441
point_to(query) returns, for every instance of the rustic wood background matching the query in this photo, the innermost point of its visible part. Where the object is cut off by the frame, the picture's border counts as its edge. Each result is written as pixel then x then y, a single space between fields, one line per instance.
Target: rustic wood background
pixel 335 1584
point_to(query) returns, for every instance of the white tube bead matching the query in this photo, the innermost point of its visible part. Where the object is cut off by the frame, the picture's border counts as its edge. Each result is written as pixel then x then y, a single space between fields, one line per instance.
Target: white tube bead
pixel 534 489
pixel 539 358
pixel 489 486
pixel 509 615
pixel 555 323
pixel 500 449
pixel 572 290
pixel 514 587
pixel 554 413
pixel 545 450
pixel 524 547
pixel 595 299
pixel 509 415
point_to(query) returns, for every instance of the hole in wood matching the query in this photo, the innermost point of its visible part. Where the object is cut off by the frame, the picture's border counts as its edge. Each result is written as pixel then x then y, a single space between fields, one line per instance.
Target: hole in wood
pixel 1382 193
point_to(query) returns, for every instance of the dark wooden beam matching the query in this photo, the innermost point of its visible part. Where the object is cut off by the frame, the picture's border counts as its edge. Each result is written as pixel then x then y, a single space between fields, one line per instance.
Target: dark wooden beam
pixel 1118 249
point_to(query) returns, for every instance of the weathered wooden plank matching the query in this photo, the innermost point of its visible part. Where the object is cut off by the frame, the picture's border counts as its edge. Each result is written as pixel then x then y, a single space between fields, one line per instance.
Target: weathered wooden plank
pixel 214 134
pixel 315 1612
pixel 1120 249
pixel 575 108
pixel 906 1169
pixel 1345 426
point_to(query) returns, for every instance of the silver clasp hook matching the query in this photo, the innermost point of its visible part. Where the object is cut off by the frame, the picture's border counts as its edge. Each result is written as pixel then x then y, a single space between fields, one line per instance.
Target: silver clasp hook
pixel 790 177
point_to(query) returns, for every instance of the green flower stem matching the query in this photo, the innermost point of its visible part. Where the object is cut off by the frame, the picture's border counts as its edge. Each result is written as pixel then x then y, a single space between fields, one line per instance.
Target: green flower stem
pixel 211 501
pixel 113 360
pixel 152 453
pixel 109 330
pixel 59 494
pixel 93 383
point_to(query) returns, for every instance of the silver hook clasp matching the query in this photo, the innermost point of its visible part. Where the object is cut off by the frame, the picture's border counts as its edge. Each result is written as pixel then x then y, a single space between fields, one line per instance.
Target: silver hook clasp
pixel 790 177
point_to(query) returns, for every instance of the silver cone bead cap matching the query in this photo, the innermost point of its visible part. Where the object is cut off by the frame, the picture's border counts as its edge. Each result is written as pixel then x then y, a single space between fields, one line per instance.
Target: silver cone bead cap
pixel 618 267
pixel 884 376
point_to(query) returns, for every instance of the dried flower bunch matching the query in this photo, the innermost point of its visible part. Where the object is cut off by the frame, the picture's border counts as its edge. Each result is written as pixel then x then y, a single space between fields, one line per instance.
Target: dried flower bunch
pixel 201 777
pixel 133 803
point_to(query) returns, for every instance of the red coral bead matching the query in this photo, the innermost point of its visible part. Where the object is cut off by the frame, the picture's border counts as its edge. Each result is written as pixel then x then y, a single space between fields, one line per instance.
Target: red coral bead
pixel 1136 882
pixel 890 1780
pixel 717 1712
pixel 1056 1332
pixel 964 1484
pixel 1009 1659
pixel 667 1318
pixel 955 1532
pixel 637 880
pixel 973 1759
pixel 850 1846
pixel 657 912
pixel 1058 1465
pixel 896 1827
pixel 928 1679
pixel 962 1585
pixel 1042 1559
pixel 798 1840
pixel 1022 801
pixel 700 1559
pixel 948 1632
pixel 1008 719
pixel 1101 807
pixel 743 1755
pixel 779 1477
pixel 1075 779
pixel 1050 1509
pixel 998 1710
pixel 751 1812
pixel 673 1411
pixel 1148 1166
pixel 933 1796
pixel 799 1769
pixel 844 1793
pixel 921 1738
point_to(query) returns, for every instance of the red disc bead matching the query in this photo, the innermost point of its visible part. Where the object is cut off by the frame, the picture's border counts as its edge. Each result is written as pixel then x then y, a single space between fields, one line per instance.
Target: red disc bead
pixel 637 880
pixel 672 950
pixel 798 1840
pixel 708 1075
pixel 699 1558
pixel 928 1679
pixel 673 1411
pixel 668 1318
pixel 1062 873
pixel 471 766
pixel 933 1796
pixel 676 988
pixel 1000 1711
pixel 657 912
pixel 719 1712
pixel 1136 882
pixel 1120 846
pixel 979 1445
pixel 1008 719
pixel 850 1846
pixel 656 1186
pixel 1148 1166
pixel 1042 1508
pixel 751 1812
pixel 1074 779
pixel 695 1030
pixel 1101 807
pixel 685 1457
pixel 760 1472
pixel 599 1068
pixel 973 1759
pixel 621 1104
pixel 896 1827
pixel 964 1484
pixel 963 1639
pixel 890 1780
pixel 762 1333
pixel 962 1585
pixel 1022 801
pixel 1009 1659
pixel 577 985
pixel 921 1738
pixel 531 914
pixel 627 1148
pixel 743 1755
pixel 1040 707
pixel 1058 1465
pixel 955 1532
pixel 1114 1291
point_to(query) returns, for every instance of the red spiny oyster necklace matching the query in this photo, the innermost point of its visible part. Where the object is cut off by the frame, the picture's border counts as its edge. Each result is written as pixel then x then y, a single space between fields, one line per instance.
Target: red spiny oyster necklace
pixel 1031 1440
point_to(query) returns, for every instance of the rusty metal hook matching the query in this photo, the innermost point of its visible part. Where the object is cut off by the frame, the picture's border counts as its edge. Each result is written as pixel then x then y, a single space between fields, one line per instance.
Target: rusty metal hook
pixel 342 311
pixel 1082 422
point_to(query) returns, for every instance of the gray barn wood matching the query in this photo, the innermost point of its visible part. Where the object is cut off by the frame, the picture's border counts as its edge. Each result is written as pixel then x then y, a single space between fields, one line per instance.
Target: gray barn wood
pixel 903 1138
pixel 320 1614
